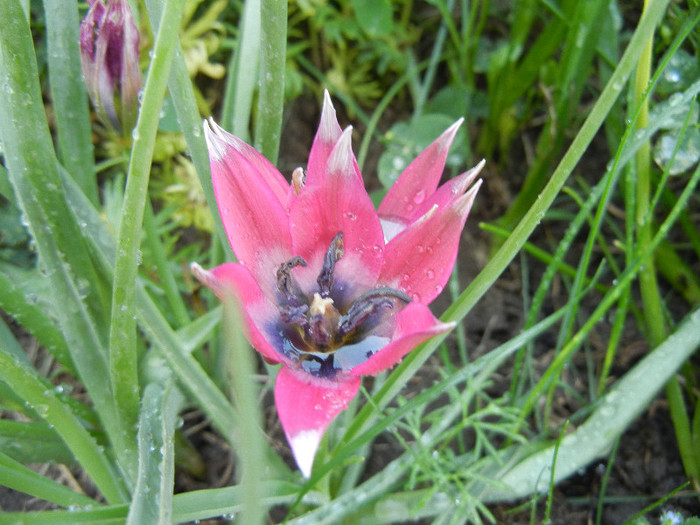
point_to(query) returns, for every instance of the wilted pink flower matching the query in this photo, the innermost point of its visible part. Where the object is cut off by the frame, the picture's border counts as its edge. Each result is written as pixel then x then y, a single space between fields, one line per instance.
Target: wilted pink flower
pixel 109 55
pixel 331 288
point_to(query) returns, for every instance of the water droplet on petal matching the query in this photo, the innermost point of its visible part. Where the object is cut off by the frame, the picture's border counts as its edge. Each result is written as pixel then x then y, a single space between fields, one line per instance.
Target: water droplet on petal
pixel 415 297
pixel 406 277
pixel 430 274
pixel 420 248
pixel 419 197
pixel 350 216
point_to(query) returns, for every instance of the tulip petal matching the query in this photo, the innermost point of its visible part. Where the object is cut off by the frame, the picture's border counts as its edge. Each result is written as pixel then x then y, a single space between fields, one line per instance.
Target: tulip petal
pixel 251 195
pixel 341 204
pixel 414 325
pixel 260 315
pixel 419 260
pixel 328 133
pixel 450 191
pixel 419 180
pixel 306 405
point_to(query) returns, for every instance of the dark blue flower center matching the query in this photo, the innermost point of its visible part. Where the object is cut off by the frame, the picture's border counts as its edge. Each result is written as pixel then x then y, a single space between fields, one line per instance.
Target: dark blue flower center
pixel 322 333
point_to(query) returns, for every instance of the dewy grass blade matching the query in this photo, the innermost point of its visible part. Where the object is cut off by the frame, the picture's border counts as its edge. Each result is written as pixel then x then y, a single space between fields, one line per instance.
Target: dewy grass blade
pixel 68 94
pixel 619 407
pixel 25 381
pixel 33 169
pixel 640 257
pixel 243 74
pixel 182 94
pixel 16 476
pixel 33 442
pixel 122 337
pixel 250 450
pixel 268 126
pixel 187 507
pixel 532 218
pixel 153 495
pixel 177 353
pixel 20 288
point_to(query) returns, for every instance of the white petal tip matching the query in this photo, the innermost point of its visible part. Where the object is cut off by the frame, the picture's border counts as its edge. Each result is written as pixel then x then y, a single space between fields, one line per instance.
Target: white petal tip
pixel 205 277
pixel 212 136
pixel 218 140
pixel 341 158
pixel 304 446
pixel 454 127
pixel 328 129
pixel 464 204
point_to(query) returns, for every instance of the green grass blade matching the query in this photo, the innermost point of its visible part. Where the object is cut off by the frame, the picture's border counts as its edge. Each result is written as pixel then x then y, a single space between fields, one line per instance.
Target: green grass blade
pixel 68 94
pixel 165 273
pixel 153 495
pixel 21 293
pixel 24 380
pixel 243 74
pixel 75 298
pixel 250 449
pixel 33 442
pixel 190 506
pixel 16 476
pixel 182 95
pixel 176 351
pixel 593 439
pixel 123 356
pixel 273 35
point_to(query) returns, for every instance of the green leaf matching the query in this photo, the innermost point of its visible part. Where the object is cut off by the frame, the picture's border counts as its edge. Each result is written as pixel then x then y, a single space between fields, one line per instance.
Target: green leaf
pixel 77 300
pixel 16 476
pixel 68 93
pixel 374 16
pixel 123 355
pixel 33 442
pixel 25 381
pixel 153 495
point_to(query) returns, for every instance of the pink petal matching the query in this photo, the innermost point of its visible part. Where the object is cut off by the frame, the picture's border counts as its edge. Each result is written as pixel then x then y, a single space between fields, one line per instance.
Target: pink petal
pixel 449 191
pixel 259 312
pixel 251 195
pixel 419 260
pixel 222 145
pixel 326 137
pixel 340 204
pixel 306 405
pixel 414 325
pixel 419 180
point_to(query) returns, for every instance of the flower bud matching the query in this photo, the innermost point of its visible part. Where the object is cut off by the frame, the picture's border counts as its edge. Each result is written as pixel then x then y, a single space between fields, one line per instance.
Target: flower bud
pixel 109 55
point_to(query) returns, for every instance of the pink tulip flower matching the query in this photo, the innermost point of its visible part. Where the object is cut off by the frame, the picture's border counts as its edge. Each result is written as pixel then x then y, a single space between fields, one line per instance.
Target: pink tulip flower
pixel 330 287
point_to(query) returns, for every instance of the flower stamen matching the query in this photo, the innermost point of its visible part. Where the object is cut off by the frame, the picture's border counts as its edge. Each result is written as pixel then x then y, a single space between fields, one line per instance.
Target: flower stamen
pixel 286 285
pixel 333 255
